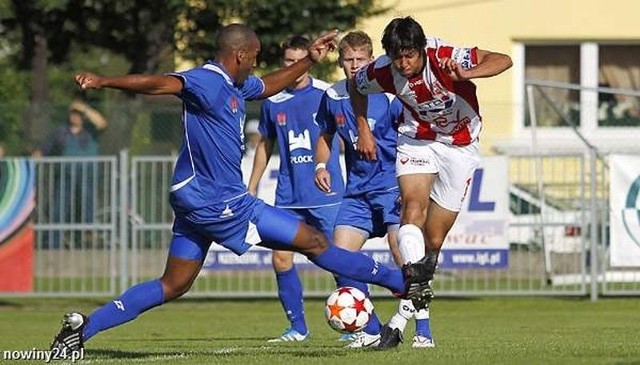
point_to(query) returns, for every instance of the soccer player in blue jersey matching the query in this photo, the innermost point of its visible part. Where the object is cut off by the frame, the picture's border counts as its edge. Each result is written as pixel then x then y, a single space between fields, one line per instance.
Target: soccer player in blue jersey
pixel 209 199
pixel 371 206
pixel 288 119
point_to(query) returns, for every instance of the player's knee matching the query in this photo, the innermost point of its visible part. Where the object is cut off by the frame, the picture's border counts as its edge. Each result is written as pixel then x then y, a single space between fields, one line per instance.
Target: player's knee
pixel 317 243
pixel 282 262
pixel 434 241
pixel 173 288
pixel 414 211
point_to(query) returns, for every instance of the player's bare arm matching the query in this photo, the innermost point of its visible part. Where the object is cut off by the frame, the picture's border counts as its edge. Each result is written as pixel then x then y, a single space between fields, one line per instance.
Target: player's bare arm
pixel 260 161
pixel 141 84
pixel 323 151
pixel 489 64
pixel 276 81
pixel 366 143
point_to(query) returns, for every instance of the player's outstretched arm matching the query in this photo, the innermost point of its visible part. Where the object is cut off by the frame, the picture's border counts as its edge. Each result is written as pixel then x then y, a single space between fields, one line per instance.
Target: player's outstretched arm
pixel 141 84
pixel 489 64
pixel 276 81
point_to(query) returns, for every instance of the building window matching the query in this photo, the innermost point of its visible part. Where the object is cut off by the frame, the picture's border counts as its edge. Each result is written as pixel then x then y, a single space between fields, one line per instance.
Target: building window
pixel 619 68
pixel 559 63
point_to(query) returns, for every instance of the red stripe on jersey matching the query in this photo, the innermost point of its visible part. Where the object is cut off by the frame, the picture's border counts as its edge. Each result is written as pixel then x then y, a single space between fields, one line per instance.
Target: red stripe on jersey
pixel 423 131
pixel 467 90
pixel 462 137
pixel 420 89
pixel 384 77
pixel 441 76
pixel 445 52
pixel 474 55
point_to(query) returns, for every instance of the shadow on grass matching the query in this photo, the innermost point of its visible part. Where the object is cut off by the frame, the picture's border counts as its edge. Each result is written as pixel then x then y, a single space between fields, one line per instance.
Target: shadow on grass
pixel 50 303
pixel 119 354
pixel 228 352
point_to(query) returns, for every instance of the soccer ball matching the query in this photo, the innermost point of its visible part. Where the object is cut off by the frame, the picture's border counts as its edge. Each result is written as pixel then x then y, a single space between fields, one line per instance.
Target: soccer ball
pixel 348 310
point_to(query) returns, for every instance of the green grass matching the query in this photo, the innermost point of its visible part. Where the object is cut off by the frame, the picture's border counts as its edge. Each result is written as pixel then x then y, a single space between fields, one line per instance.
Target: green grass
pixel 467 331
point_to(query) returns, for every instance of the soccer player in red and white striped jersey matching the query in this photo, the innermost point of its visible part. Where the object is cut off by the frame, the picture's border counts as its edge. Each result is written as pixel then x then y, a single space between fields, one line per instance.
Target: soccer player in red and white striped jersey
pixel 437 150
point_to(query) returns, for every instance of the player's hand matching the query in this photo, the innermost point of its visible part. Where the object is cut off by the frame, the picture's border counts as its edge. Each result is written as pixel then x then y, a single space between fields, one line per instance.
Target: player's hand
pixel 323 180
pixel 455 71
pixel 252 191
pixel 322 45
pixel 88 80
pixel 366 145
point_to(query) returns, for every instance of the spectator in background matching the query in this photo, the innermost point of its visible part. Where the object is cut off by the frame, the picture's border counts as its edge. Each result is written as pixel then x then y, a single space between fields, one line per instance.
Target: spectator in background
pixel 78 138
pixel 2 150
pixel 74 198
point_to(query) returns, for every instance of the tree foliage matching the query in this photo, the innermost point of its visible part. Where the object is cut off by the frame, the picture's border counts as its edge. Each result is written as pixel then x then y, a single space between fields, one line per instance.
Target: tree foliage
pixel 144 31
pixel 43 34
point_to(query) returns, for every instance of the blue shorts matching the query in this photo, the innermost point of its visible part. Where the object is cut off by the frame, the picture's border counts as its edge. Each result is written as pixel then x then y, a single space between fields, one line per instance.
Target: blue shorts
pixel 237 225
pixel 322 218
pixel 372 212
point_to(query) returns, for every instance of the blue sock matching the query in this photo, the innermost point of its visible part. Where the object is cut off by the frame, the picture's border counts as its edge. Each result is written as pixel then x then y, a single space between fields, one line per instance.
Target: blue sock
pixel 360 267
pixel 374 325
pixel 423 328
pixel 290 294
pixel 128 306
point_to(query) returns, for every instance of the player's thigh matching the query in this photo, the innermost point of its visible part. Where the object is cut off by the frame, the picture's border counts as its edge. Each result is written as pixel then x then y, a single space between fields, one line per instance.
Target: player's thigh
pixel 386 207
pixel 355 215
pixel 457 165
pixel 414 192
pixel 349 237
pixel 417 166
pixel 323 218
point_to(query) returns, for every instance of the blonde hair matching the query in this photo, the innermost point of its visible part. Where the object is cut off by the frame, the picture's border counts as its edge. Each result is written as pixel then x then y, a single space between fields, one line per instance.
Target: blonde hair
pixel 353 40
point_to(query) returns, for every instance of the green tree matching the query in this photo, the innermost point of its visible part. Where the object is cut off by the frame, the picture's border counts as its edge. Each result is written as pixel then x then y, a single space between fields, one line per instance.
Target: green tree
pixel 148 33
pixel 275 20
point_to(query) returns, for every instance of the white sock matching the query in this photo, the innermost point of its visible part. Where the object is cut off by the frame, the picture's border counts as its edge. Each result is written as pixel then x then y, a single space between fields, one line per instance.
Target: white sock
pixel 422 314
pixel 411 243
pixel 404 314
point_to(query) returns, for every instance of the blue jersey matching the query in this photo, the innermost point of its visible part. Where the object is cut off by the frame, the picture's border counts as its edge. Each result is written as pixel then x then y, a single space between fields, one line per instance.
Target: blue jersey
pixel 289 118
pixel 335 115
pixel 207 170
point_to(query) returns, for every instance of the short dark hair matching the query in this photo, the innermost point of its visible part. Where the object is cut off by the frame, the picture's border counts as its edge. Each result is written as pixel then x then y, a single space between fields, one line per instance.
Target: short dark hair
pixel 233 37
pixel 403 34
pixel 295 42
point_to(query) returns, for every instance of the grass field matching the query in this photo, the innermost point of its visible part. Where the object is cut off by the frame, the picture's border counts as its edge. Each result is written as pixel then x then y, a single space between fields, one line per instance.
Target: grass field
pixel 467 331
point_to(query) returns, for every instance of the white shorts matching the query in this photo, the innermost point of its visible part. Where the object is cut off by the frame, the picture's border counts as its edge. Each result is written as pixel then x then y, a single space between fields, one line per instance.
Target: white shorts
pixel 454 166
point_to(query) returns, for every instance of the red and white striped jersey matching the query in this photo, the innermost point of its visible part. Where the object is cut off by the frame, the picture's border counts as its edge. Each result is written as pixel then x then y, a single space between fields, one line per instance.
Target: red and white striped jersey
pixel 435 107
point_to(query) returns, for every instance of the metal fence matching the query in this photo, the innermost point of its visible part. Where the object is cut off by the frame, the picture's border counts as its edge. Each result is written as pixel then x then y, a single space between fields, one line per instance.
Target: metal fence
pixel 103 224
pixel 76 226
